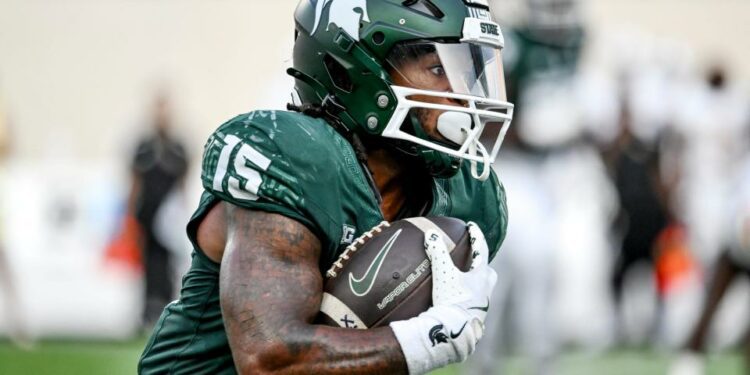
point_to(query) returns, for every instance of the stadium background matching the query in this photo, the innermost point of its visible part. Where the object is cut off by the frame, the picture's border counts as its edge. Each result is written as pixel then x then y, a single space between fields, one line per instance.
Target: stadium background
pixel 76 82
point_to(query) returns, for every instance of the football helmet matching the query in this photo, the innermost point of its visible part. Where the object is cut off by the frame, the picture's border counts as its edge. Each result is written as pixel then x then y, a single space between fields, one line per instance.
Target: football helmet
pixel 554 22
pixel 426 75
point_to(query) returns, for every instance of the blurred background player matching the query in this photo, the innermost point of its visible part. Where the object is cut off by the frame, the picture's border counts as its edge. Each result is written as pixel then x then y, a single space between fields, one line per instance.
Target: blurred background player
pixel 545 45
pixel 634 167
pixel 158 171
pixel 733 264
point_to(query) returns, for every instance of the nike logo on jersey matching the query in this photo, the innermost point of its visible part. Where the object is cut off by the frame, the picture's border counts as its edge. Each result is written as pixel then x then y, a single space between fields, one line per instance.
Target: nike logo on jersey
pixel 361 286
pixel 454 335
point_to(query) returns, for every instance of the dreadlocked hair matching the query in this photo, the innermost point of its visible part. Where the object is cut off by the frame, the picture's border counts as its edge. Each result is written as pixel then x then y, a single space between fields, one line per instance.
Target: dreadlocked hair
pixel 360 151
pixel 312 110
pixel 317 111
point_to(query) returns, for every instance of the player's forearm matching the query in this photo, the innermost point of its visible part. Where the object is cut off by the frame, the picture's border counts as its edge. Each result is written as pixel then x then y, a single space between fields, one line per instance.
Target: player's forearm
pixel 271 289
pixel 268 323
pixel 309 349
pixel 268 314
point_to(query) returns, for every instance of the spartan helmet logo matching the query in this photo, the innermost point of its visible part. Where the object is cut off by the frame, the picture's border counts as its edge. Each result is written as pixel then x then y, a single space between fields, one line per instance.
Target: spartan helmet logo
pixel 437 335
pixel 346 14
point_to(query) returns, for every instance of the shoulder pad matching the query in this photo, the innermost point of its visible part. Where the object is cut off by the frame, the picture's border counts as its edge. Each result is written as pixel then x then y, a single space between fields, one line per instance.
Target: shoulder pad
pixel 281 162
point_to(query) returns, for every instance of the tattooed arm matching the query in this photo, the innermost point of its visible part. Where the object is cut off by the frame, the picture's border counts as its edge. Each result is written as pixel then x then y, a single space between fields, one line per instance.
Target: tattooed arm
pixel 271 290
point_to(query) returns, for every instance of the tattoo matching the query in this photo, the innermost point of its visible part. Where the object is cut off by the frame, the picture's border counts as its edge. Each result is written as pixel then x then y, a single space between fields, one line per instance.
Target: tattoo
pixel 271 289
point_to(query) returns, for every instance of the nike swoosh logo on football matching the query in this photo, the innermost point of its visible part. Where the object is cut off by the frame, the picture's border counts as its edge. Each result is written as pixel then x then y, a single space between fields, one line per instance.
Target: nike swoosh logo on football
pixel 485 308
pixel 361 286
pixel 454 335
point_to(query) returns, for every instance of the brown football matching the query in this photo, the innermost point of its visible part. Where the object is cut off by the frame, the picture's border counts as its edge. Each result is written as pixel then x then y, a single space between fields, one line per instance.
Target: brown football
pixel 385 276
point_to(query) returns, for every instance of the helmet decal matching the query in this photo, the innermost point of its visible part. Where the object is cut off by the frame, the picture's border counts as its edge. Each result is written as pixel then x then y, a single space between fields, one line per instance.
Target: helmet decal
pixel 369 83
pixel 480 13
pixel 346 14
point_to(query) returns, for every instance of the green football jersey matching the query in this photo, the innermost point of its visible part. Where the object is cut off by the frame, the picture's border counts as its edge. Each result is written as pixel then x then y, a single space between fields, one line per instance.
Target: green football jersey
pixel 300 167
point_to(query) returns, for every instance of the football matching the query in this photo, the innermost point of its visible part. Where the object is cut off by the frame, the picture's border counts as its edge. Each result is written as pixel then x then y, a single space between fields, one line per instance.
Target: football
pixel 385 275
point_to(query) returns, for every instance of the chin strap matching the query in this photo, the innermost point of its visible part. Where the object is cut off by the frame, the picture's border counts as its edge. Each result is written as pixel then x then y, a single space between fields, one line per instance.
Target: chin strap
pixel 475 147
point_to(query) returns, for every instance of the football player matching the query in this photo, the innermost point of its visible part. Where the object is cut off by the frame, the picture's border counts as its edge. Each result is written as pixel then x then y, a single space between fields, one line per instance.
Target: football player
pixel 392 98
pixel 732 264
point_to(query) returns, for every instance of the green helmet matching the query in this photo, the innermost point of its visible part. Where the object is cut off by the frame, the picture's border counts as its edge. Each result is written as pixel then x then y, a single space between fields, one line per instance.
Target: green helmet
pixel 379 66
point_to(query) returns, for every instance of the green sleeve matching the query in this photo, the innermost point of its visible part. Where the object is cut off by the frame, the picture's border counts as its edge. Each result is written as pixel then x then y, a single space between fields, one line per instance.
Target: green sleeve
pixel 294 165
pixel 244 165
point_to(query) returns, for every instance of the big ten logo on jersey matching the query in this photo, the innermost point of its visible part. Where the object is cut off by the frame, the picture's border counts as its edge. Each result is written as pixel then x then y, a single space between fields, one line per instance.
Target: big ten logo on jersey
pixel 237 166
pixel 347 234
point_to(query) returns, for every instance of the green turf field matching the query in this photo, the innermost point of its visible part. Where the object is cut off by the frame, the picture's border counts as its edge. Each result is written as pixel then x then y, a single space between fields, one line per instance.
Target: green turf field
pixel 620 362
pixel 68 358
pixel 71 357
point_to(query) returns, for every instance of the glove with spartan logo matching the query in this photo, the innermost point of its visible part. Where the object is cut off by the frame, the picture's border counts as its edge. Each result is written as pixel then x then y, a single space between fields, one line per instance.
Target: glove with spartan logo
pixel 449 331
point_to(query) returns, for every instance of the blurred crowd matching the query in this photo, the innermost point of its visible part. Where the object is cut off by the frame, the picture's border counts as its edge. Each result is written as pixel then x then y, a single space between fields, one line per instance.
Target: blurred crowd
pixel 627 183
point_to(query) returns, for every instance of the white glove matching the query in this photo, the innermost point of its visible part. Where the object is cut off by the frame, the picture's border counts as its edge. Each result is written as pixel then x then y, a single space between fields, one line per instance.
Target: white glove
pixel 449 331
